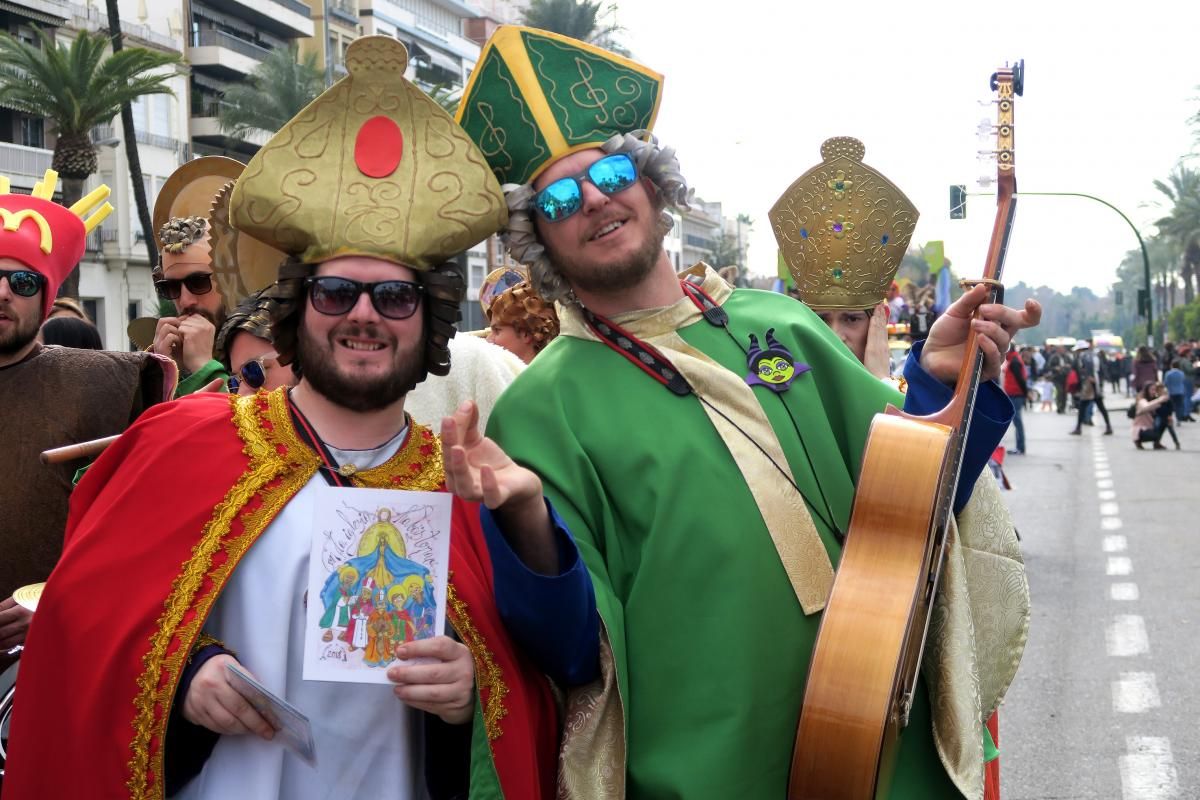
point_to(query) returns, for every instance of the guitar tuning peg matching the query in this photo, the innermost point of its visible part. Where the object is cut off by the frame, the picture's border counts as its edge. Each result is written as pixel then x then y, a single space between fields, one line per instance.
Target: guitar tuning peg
pixel 985 125
pixel 985 181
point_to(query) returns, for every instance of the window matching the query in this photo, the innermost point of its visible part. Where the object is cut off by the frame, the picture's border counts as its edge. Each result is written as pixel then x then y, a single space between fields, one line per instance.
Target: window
pixel 160 122
pixel 33 132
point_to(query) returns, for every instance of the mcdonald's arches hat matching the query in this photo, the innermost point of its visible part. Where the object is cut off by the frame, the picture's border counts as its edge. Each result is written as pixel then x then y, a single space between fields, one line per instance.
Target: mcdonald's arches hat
pixel 45 236
pixel 536 96
pixel 372 167
pixel 842 229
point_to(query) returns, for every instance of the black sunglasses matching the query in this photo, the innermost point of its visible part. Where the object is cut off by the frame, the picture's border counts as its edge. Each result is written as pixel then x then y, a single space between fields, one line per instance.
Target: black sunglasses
pixel 23 282
pixel 172 288
pixel 334 296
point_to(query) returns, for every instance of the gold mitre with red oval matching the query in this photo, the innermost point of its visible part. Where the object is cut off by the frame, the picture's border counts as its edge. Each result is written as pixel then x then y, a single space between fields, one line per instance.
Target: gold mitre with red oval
pixel 842 229
pixel 372 167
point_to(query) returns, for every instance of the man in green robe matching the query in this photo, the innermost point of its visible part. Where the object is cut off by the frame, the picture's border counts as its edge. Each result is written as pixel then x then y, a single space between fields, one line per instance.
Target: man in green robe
pixel 702 444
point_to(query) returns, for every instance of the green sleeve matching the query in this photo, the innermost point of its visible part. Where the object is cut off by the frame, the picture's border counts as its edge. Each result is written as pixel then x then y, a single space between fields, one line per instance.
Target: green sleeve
pixel 197 380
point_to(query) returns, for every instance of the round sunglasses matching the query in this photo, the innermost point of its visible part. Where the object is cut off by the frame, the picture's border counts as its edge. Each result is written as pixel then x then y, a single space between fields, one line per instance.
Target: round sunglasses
pixel 334 296
pixel 23 282
pixel 564 197
pixel 172 288
pixel 253 373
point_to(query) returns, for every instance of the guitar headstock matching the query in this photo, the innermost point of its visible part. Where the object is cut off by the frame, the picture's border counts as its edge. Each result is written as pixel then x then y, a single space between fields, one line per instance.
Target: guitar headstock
pixel 1007 82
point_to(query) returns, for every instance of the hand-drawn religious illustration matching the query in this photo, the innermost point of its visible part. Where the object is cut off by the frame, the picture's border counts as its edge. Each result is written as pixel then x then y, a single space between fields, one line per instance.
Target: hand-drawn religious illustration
pixel 377 579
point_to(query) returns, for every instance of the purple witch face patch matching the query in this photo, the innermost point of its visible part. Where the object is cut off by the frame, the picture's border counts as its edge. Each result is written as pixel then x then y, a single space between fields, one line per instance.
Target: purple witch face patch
pixel 772 367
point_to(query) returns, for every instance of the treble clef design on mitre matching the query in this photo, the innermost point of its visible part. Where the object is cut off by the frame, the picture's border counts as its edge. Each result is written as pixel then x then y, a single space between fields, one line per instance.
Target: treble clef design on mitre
pixel 491 134
pixel 590 97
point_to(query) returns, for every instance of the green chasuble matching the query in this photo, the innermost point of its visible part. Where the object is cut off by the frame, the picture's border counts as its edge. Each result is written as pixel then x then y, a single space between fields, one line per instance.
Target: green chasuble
pixel 710 644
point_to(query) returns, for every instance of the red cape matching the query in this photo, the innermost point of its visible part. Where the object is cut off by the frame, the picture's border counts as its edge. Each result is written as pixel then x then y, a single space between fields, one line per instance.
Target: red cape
pixel 156 527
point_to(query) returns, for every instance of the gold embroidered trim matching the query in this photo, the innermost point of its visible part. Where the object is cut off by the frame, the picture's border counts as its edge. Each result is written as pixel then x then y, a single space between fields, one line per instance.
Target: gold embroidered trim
pixel 277 456
pixel 160 678
pixel 205 640
pixel 488 674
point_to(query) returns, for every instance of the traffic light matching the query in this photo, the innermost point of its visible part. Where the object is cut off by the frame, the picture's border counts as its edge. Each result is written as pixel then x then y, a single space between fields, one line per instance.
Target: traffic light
pixel 1143 302
pixel 958 202
pixel 1118 297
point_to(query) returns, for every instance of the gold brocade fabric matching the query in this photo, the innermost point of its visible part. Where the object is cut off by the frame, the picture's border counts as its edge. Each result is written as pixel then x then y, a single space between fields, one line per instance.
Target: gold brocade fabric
pixel 591 756
pixel 782 508
pixel 978 632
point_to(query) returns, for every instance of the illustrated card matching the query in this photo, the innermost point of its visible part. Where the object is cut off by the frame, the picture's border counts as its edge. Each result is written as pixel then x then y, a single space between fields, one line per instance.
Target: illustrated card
pixel 292 728
pixel 377 579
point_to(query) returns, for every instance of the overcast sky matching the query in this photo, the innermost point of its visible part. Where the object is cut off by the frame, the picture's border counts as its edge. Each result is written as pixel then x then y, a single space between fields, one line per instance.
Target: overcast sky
pixel 753 87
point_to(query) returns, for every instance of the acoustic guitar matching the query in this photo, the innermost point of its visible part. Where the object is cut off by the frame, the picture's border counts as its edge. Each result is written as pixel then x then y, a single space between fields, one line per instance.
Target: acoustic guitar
pixel 867 659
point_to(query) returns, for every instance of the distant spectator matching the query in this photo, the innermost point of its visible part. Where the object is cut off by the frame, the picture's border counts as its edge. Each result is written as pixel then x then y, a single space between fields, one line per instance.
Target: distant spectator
pixel 1147 425
pixel 68 307
pixel 68 331
pixel 1177 390
pixel 1145 369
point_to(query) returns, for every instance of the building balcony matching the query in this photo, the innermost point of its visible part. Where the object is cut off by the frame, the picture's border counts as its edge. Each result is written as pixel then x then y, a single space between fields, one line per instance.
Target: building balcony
pixel 206 130
pixel 93 19
pixel 224 54
pixel 24 166
pixel 51 13
pixel 102 133
pixel 289 19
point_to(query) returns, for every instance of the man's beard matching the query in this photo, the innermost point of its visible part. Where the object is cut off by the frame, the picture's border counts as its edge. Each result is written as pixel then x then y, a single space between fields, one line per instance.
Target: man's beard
pixel 354 392
pixel 22 333
pixel 616 276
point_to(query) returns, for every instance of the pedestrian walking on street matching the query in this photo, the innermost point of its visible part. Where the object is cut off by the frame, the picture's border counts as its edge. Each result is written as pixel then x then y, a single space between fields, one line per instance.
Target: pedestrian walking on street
pixel 1058 368
pixel 1017 388
pixel 1177 390
pixel 1091 390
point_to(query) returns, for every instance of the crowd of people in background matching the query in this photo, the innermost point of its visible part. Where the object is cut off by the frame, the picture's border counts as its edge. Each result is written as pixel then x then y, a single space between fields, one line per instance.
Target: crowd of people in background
pixel 1160 384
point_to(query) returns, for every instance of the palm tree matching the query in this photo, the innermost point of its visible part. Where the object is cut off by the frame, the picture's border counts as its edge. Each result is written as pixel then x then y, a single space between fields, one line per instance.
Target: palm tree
pixel 579 19
pixel 278 89
pixel 1182 224
pixel 76 88
pixel 129 135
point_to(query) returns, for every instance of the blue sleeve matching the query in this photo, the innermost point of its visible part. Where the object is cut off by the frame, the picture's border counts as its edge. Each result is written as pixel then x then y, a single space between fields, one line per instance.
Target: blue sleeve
pixel 993 412
pixel 552 617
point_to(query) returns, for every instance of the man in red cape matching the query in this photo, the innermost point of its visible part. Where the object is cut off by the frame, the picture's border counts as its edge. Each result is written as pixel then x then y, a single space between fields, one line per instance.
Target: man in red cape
pixel 188 528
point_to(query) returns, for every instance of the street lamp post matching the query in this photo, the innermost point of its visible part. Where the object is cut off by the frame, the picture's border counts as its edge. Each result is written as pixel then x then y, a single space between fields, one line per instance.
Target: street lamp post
pixel 1129 222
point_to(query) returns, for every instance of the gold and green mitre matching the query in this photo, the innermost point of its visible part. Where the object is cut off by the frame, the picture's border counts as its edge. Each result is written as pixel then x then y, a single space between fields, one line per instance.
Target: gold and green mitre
pixel 536 96
pixel 372 167
pixel 842 229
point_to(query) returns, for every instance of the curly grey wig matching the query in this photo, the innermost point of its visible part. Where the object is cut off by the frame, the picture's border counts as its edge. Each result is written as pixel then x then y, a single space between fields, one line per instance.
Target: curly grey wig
pixel 657 163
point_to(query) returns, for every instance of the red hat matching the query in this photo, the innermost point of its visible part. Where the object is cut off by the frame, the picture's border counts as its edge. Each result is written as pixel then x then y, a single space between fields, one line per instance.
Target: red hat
pixel 45 236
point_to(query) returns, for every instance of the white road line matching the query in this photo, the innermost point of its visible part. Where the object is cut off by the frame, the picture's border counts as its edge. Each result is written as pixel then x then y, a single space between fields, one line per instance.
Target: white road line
pixel 1103 473
pixel 1110 523
pixel 1135 693
pixel 1106 494
pixel 1109 509
pixel 1104 483
pixel 1114 544
pixel 1119 565
pixel 1127 636
pixel 1148 771
pixel 1124 591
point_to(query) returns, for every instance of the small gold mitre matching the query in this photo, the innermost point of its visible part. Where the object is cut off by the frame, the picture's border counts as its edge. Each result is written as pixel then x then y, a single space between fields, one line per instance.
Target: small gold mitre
pixel 372 167
pixel 843 228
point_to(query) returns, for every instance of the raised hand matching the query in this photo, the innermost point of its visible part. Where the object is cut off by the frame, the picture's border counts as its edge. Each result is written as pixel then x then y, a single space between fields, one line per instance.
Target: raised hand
pixel 876 357
pixel 944 349
pixel 477 470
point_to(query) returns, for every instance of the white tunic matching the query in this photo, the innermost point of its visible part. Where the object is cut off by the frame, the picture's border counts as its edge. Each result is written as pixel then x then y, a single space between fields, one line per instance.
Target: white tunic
pixel 368 743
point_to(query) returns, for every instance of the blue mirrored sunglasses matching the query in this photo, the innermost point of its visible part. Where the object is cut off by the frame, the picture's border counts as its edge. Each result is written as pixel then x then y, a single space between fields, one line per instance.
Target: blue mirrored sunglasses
pixel 564 197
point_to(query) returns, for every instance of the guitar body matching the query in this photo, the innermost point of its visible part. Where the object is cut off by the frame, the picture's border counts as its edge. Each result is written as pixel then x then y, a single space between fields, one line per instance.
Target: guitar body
pixel 864 665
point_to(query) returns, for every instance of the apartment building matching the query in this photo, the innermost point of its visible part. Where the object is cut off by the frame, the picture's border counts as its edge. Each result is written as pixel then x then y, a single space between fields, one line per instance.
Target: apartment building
pixel 335 26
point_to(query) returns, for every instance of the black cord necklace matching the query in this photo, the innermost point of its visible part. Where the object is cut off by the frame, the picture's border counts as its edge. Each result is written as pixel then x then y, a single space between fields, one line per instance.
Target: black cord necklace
pixel 658 367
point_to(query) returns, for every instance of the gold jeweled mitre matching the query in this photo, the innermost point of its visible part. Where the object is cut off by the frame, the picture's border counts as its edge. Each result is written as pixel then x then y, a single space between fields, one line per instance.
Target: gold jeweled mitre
pixel 842 229
pixel 372 167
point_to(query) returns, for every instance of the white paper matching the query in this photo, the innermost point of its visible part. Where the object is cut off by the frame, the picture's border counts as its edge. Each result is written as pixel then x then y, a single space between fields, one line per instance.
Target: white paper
pixel 377 556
